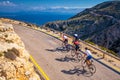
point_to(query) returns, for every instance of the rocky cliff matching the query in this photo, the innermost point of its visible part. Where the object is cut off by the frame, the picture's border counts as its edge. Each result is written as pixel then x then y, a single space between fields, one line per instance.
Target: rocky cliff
pixel 14 59
pixel 99 24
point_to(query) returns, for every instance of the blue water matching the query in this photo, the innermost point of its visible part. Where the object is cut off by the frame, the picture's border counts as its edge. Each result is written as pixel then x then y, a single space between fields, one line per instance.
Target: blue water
pixel 38 18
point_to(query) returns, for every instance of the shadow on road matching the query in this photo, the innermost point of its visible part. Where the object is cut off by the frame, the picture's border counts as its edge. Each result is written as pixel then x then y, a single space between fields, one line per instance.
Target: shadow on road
pixel 58 49
pixel 62 49
pixel 65 59
pixel 51 50
pixel 77 70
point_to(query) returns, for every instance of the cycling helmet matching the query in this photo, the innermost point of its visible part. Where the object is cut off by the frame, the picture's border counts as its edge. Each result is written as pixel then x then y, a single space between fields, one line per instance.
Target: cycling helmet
pixel 65 37
pixel 76 35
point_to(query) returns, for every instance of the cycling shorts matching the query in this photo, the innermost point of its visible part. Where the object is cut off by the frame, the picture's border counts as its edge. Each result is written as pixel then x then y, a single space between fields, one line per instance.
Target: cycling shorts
pixel 76 47
pixel 89 57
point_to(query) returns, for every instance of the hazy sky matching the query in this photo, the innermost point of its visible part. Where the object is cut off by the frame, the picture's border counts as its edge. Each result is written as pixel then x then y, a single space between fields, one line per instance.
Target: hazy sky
pixel 44 5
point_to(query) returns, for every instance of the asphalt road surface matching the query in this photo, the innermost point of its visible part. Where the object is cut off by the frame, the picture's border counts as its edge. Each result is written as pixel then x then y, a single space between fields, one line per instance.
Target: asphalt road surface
pixel 54 63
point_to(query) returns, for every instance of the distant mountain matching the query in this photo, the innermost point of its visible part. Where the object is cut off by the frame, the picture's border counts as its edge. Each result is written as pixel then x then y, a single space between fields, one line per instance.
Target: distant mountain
pixel 99 24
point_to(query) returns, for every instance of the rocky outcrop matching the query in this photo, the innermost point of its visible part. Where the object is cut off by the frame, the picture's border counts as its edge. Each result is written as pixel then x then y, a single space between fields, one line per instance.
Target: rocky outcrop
pixel 99 24
pixel 14 59
pixel 18 22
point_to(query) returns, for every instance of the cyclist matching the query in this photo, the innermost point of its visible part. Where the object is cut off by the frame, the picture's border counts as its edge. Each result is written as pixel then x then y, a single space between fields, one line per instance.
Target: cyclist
pixel 88 55
pixel 76 44
pixel 65 40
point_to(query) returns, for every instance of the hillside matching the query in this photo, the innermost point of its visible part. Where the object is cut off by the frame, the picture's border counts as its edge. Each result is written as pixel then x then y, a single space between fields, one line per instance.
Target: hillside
pixel 14 59
pixel 99 24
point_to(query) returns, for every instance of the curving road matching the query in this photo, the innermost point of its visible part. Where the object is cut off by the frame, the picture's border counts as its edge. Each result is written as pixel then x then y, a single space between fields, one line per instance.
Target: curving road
pixel 54 63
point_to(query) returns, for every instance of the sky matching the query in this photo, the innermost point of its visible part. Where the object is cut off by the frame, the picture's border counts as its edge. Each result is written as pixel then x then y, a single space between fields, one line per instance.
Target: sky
pixel 46 5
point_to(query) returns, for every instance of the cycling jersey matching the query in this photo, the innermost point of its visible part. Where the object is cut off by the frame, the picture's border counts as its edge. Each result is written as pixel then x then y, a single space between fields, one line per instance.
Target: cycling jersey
pixel 76 42
pixel 88 53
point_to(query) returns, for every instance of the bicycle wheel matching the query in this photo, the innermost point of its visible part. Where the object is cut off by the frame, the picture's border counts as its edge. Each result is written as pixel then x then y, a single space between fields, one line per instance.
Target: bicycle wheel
pixel 64 50
pixel 83 63
pixel 92 68
pixel 79 56
pixel 72 53
pixel 68 47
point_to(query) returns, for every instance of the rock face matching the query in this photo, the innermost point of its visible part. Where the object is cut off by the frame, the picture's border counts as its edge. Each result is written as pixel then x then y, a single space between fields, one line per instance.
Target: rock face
pixel 99 24
pixel 14 59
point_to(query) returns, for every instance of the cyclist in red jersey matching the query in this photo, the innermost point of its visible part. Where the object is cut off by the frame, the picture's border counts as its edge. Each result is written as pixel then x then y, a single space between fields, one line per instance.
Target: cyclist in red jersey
pixel 76 44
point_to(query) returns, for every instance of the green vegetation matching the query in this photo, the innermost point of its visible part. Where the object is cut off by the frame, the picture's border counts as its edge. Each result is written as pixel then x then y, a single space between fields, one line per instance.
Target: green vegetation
pixel 107 50
pixel 88 41
pixel 101 47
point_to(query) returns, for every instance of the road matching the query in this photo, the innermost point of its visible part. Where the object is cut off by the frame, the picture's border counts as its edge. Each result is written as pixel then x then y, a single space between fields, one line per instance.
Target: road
pixel 41 46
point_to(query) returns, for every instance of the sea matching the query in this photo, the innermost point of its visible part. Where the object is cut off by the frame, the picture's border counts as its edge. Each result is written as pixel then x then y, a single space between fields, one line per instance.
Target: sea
pixel 37 18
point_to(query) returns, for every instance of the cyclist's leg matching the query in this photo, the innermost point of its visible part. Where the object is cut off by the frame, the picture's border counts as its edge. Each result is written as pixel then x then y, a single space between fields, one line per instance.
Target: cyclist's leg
pixel 88 60
pixel 83 62
pixel 73 51
pixel 63 43
pixel 77 49
pixel 66 44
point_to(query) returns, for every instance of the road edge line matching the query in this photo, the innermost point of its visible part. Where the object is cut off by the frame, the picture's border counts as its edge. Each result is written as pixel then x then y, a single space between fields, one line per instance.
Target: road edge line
pixel 39 68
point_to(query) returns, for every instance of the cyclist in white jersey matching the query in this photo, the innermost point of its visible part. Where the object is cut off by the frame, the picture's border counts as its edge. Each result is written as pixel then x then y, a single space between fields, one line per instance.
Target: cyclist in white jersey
pixel 88 55
pixel 65 40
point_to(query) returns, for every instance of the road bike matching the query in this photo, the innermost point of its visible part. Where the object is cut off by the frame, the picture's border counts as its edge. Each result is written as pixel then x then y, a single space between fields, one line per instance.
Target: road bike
pixel 91 68
pixel 64 48
pixel 77 56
